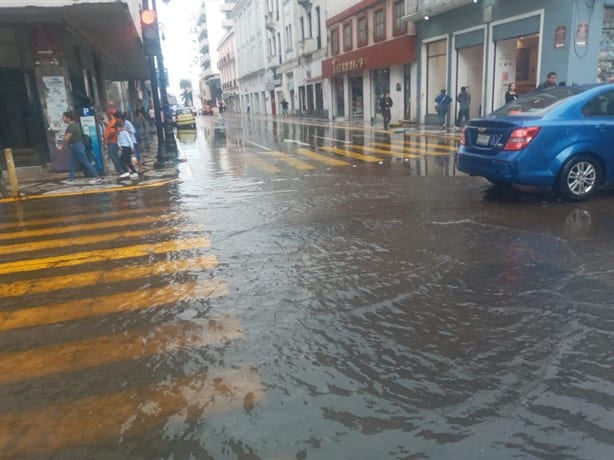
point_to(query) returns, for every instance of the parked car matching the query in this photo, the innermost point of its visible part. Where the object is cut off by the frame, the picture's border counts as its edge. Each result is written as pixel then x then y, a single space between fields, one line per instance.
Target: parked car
pixel 185 118
pixel 561 138
pixel 206 110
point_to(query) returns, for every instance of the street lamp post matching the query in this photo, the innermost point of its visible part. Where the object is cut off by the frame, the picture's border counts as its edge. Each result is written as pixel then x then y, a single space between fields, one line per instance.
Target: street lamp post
pixel 169 136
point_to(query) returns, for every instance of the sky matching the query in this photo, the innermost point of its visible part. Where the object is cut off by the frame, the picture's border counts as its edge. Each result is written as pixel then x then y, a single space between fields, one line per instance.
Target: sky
pixel 176 19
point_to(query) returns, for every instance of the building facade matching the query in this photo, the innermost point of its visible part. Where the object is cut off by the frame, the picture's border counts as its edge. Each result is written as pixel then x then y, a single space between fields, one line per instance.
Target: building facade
pixel 485 45
pixel 58 55
pixel 228 71
pixel 371 49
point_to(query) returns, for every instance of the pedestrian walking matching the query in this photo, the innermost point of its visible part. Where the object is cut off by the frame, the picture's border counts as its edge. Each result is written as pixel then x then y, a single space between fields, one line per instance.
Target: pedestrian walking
pixel 550 81
pixel 385 104
pixel 442 106
pixel 126 144
pixel 284 107
pixel 110 138
pixel 464 101
pixel 74 138
pixel 130 128
pixel 510 94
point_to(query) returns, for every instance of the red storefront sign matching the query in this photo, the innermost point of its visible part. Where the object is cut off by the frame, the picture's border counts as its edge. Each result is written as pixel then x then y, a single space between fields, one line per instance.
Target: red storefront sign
pixel 400 50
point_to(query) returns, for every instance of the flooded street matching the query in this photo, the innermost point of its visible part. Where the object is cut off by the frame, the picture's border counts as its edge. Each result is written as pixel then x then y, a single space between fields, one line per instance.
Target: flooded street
pixel 303 292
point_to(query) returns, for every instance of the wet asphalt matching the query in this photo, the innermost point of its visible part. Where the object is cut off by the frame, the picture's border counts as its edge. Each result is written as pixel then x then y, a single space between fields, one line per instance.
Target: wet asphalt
pixel 306 291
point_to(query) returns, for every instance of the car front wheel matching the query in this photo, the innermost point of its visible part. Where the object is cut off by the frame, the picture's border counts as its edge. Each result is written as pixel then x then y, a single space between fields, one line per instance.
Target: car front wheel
pixel 580 178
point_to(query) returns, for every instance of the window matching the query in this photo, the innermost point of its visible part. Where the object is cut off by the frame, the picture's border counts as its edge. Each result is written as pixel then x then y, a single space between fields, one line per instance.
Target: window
pixel 379 29
pixel 309 26
pixel 400 26
pixel 302 24
pixel 334 40
pixel 362 31
pixel 347 36
pixel 600 106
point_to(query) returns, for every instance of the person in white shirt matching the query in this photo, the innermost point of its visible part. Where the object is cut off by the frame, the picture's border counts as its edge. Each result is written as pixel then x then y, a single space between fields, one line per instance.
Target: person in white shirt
pixel 128 126
pixel 126 144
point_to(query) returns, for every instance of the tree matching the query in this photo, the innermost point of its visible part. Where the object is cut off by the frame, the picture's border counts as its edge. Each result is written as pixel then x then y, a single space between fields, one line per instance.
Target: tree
pixel 184 84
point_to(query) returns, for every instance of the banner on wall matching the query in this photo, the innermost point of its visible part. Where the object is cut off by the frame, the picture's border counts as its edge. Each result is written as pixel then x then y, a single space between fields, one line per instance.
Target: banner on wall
pixel 582 35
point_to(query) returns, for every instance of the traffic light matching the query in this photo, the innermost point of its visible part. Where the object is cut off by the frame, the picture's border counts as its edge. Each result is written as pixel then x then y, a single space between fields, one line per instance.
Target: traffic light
pixel 151 33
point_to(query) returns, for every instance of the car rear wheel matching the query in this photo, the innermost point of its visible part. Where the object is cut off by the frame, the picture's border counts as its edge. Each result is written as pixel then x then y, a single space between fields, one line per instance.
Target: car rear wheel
pixel 580 178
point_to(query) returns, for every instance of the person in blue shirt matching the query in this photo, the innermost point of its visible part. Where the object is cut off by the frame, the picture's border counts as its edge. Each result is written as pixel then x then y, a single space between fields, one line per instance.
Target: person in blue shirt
pixel 442 107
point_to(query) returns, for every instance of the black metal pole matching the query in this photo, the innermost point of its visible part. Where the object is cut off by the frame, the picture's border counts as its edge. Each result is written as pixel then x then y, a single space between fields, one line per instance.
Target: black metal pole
pixel 169 136
pixel 161 153
pixel 153 79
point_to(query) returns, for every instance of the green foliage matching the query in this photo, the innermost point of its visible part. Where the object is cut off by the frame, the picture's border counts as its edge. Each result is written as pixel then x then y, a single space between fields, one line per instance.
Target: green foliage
pixel 184 84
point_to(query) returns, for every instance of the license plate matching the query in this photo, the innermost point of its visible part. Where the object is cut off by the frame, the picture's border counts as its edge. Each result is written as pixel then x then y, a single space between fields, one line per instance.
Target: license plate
pixel 483 139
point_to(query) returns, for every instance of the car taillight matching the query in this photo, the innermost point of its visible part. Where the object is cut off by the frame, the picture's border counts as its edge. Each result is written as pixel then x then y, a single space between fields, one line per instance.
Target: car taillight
pixel 463 138
pixel 521 137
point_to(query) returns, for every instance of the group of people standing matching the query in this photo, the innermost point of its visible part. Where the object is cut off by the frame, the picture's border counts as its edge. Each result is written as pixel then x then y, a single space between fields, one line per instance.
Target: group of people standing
pixel 443 101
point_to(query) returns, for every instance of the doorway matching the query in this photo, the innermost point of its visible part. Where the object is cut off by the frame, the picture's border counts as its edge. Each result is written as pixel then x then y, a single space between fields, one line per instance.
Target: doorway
pixel 516 61
pixel 357 98
pixel 338 89
pixel 469 73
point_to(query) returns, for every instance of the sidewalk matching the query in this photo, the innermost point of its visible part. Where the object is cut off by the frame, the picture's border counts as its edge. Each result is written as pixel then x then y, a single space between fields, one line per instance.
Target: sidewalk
pixel 37 180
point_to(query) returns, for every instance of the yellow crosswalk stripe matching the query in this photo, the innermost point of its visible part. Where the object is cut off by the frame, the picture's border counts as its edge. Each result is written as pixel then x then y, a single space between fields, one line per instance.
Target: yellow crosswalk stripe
pixel 322 158
pixel 262 165
pixel 92 278
pixel 120 415
pixel 102 255
pixel 364 148
pixel 113 303
pixel 289 160
pixel 428 145
pixel 77 217
pixel 98 351
pixel 85 227
pixel 350 154
pixel 418 151
pixel 94 239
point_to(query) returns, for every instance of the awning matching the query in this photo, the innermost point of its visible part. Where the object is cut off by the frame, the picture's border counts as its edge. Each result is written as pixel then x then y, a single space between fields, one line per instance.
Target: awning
pixel 108 27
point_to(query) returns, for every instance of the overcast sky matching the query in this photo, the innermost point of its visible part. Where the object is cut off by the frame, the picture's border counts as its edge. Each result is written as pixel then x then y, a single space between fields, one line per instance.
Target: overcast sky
pixel 177 18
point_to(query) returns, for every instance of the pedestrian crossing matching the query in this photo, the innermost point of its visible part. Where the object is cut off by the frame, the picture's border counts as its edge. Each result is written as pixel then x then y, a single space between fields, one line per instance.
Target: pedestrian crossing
pixel 299 156
pixel 91 324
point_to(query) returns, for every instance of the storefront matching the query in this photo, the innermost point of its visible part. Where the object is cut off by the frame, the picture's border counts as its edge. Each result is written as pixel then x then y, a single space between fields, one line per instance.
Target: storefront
pixel 491 44
pixel 359 79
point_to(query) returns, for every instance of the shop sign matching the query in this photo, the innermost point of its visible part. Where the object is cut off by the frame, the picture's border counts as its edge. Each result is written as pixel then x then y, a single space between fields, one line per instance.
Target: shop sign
pixel 348 66
pixel 560 35
pixel 43 41
pixel 582 35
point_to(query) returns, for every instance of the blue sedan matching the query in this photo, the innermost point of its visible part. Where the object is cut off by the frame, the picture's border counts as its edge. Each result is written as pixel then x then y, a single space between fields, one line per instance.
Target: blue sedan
pixel 561 138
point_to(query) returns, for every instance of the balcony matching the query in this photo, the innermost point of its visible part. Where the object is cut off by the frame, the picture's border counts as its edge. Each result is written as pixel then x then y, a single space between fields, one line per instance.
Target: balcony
pixel 227 7
pixel 416 10
pixel 269 21
pixel 308 46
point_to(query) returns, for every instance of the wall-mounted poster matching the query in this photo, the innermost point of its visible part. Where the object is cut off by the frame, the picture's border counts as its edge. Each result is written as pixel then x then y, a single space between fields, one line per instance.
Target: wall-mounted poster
pixel 582 35
pixel 560 36
pixel 56 102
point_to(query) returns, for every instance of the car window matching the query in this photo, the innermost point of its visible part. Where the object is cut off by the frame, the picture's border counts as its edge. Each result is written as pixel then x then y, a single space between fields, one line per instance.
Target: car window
pixel 183 111
pixel 538 101
pixel 600 106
